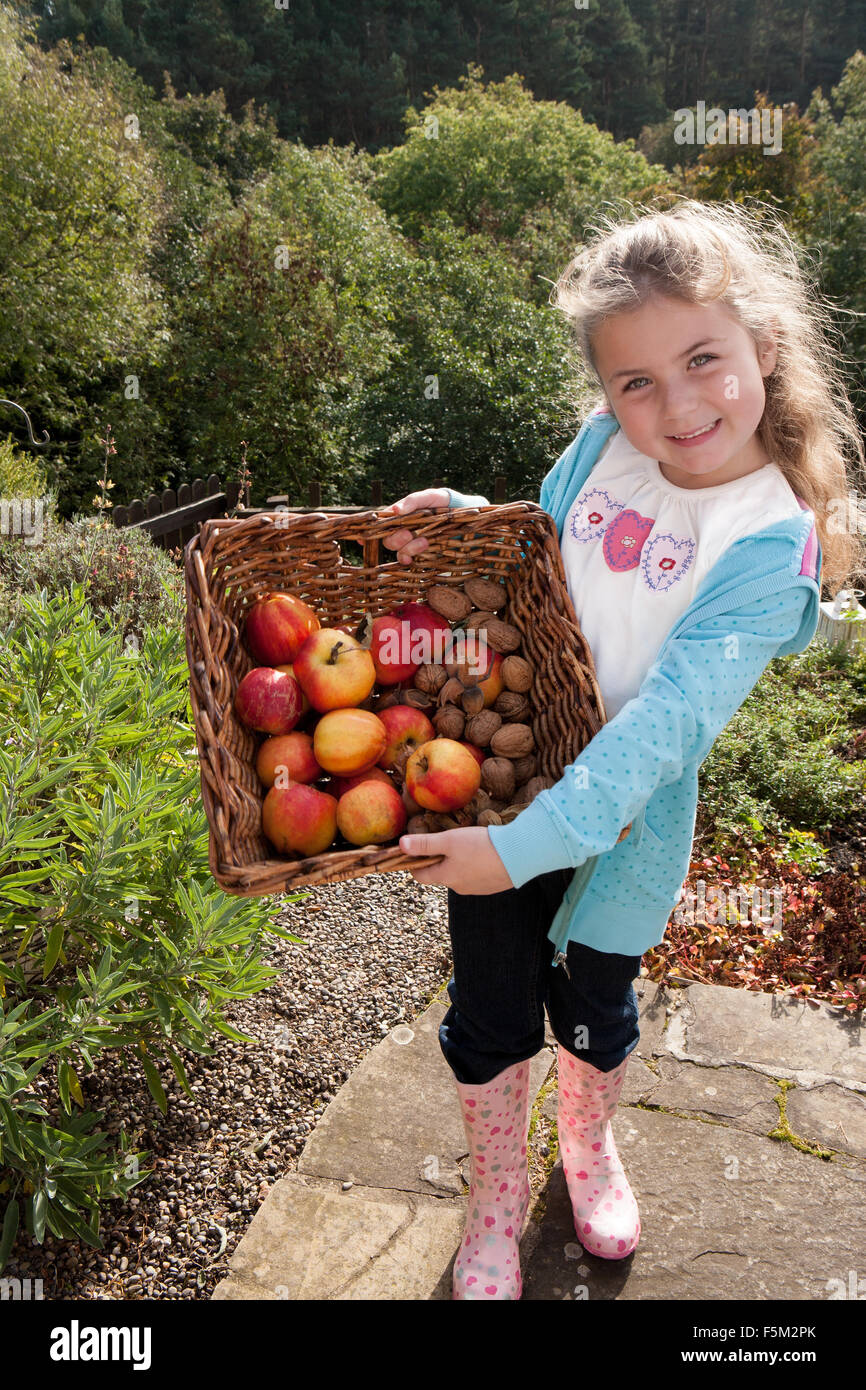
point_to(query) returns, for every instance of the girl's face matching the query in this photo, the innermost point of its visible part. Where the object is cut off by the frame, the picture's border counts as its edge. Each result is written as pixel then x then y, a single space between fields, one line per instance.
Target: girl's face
pixel 671 369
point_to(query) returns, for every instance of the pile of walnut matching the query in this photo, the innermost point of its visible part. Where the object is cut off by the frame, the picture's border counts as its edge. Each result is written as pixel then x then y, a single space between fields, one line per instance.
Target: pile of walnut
pixel 456 708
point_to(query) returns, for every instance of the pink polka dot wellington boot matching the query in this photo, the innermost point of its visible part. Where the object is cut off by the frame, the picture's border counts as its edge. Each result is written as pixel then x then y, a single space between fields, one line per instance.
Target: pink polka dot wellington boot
pixel 606 1216
pixel 496 1119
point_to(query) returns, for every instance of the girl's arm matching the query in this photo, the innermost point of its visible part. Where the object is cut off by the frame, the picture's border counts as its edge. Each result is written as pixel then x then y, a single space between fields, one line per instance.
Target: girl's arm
pixel 463 499
pixel 683 704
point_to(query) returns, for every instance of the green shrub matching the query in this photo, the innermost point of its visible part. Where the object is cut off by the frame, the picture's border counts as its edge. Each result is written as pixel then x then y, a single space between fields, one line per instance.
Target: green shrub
pixel 130 584
pixel 22 478
pixel 776 767
pixel 113 935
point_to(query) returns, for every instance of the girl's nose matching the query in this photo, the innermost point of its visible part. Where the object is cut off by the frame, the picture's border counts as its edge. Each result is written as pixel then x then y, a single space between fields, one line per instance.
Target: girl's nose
pixel 678 404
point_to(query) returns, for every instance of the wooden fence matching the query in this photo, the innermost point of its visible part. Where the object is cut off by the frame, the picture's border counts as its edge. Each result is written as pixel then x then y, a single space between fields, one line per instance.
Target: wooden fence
pixel 173 518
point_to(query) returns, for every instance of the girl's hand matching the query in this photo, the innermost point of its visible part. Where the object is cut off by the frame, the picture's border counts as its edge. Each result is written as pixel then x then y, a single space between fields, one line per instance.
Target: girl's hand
pixel 402 541
pixel 471 864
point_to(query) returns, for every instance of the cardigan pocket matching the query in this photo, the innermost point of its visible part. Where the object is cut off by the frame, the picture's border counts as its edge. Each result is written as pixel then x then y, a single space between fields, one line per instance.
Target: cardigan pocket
pixel 637 873
pixel 641 824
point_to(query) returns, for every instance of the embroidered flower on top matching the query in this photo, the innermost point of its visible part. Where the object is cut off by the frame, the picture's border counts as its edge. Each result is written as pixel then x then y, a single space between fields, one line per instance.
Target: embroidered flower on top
pixel 663 561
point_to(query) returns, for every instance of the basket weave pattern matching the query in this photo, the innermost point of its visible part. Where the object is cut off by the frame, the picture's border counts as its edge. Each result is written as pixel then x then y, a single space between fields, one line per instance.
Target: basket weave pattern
pixel 231 563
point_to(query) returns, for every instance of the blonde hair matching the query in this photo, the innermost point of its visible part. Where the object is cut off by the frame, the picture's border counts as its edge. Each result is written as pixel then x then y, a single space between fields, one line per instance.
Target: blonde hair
pixel 701 252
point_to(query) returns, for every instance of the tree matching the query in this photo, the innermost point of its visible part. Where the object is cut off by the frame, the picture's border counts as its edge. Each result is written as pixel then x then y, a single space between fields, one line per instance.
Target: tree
pixel 528 173
pixel 78 191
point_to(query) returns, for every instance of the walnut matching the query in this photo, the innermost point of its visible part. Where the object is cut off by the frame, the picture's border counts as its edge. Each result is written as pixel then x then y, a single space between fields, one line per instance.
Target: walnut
pixel 489 818
pixel 472 700
pixel 478 618
pixel 524 768
pixel 389 698
pixel 513 741
pixel 511 705
pixel 502 637
pixel 497 777
pixel 480 802
pixel 517 674
pixel 420 825
pixel 481 727
pixel 529 791
pixel 449 721
pixel 510 813
pixel 455 820
pixel 451 603
pixel 451 691
pixel 418 699
pixel 431 677
pixel 486 593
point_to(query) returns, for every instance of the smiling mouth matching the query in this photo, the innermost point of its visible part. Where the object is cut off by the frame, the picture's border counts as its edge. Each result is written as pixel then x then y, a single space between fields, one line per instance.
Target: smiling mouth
pixel 704 429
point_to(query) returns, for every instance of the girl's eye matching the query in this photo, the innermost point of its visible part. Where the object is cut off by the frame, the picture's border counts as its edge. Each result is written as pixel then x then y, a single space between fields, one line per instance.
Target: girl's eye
pixel 638 379
pixel 710 356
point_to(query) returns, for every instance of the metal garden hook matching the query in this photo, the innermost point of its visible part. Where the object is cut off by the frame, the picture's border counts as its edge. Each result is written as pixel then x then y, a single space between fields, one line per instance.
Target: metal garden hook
pixel 38 443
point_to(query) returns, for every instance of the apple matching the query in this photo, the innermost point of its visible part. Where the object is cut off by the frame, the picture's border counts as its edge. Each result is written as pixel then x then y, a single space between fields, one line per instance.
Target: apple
pixel 299 820
pixel 477 753
pixel 407 729
pixel 371 813
pixel 334 671
pixel 442 775
pixel 294 753
pixel 338 786
pixel 349 740
pixel 406 639
pixel 289 668
pixel 268 700
pixel 277 627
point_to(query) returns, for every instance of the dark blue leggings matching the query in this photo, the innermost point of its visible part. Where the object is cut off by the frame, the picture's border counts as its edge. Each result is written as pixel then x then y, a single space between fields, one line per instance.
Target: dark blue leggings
pixel 504 976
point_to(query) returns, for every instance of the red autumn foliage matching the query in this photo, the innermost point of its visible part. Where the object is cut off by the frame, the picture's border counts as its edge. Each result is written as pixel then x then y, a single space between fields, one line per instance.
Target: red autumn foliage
pixel 819 952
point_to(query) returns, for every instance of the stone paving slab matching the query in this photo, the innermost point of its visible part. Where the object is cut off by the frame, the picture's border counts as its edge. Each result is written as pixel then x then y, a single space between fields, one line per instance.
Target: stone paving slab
pixel 779 1035
pixel 398 1124
pixel 311 1240
pixel 725 1215
pixel 732 1095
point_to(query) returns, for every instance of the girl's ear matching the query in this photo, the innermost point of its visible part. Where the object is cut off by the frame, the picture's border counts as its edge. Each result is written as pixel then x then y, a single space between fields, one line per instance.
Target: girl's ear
pixel 768 353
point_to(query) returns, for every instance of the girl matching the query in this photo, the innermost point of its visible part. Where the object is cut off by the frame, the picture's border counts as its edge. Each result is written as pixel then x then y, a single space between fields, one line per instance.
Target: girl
pixel 692 512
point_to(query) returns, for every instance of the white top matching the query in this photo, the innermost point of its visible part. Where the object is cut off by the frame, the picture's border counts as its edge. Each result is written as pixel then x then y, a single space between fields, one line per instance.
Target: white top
pixel 636 548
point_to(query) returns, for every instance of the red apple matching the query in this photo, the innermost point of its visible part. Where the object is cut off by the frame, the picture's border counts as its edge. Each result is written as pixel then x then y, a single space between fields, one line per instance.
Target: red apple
pixel 338 786
pixel 406 639
pixel 477 753
pixel 268 700
pixel 299 820
pixel 334 671
pixel 289 668
pixel 277 627
pixel 370 814
pixel 407 729
pixel 349 740
pixel 442 775
pixel 293 753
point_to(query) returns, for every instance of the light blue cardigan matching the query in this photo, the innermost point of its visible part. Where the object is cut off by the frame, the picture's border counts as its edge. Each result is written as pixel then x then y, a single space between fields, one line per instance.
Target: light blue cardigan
pixel 760 600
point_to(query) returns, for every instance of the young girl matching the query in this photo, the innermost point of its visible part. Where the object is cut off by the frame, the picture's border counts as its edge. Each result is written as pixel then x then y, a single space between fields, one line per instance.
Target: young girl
pixel 692 510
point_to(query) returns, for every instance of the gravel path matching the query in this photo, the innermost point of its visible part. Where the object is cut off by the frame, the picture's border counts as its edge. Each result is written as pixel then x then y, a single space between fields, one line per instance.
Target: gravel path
pixel 377 952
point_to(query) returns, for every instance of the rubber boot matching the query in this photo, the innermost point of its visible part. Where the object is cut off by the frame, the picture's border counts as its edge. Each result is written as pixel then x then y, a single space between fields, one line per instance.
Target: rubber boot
pixel 496 1119
pixel 606 1216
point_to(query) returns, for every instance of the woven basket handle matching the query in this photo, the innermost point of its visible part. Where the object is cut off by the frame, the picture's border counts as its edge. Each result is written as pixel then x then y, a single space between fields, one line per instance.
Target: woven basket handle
pixel 372 526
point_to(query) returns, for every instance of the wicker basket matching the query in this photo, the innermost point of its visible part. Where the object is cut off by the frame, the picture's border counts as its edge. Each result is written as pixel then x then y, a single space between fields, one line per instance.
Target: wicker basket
pixel 231 563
